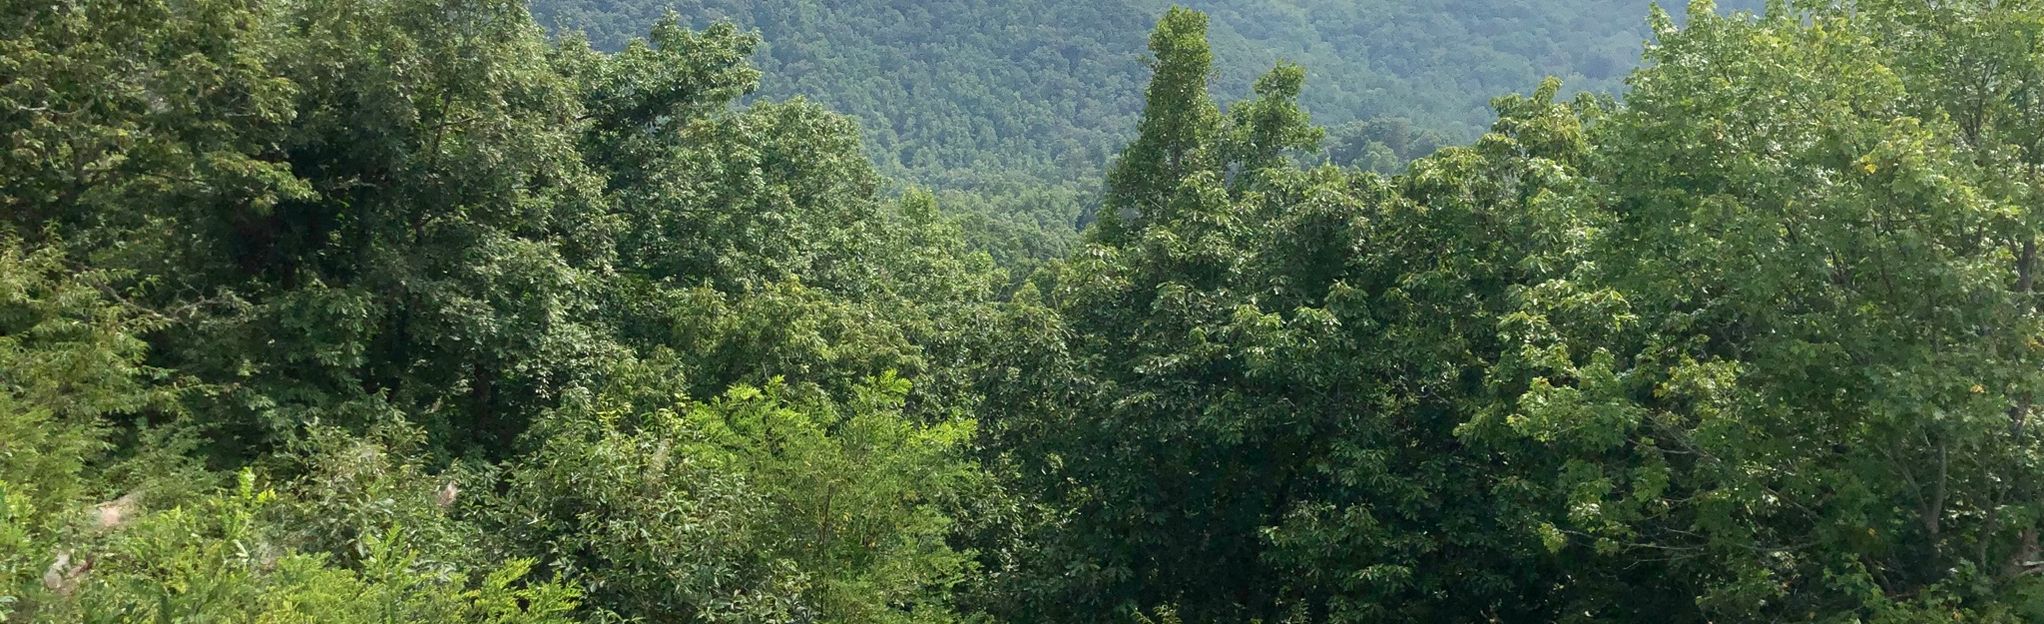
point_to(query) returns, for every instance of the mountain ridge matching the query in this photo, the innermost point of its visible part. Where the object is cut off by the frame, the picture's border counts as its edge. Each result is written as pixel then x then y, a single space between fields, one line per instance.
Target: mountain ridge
pixel 951 92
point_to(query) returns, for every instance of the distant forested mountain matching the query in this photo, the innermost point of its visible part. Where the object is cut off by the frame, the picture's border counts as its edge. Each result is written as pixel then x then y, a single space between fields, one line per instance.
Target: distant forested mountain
pixel 956 90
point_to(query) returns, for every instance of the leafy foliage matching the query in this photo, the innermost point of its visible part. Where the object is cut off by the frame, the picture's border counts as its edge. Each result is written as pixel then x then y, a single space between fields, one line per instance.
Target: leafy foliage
pixel 1730 351
pixel 753 507
pixel 359 248
pixel 399 310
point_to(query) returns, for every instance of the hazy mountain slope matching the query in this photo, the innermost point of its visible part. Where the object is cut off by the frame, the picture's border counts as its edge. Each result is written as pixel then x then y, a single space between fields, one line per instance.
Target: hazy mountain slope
pixel 952 90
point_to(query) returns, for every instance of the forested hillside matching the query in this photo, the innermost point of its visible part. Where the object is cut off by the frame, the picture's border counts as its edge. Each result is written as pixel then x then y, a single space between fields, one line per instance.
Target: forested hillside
pixel 406 311
pixel 954 91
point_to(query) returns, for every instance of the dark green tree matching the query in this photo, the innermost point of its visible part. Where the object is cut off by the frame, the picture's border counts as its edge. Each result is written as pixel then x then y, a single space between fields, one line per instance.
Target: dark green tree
pixel 1179 135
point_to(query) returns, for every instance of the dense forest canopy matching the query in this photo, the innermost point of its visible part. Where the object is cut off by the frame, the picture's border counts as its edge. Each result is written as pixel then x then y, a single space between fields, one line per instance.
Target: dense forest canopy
pixel 408 311
pixel 951 92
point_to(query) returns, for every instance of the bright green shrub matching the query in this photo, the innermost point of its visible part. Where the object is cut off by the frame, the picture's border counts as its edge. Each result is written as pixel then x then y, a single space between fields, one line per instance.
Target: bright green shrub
pixel 754 507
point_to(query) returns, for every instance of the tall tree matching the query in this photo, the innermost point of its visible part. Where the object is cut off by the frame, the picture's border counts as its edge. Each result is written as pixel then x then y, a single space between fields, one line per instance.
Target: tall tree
pixel 1267 129
pixel 1179 134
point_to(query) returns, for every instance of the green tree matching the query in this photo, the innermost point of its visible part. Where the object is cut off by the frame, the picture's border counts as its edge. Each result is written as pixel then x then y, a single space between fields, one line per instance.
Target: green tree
pixel 752 507
pixel 1179 134
pixel 1269 128
pixel 1248 410
pixel 1803 397
pixel 372 241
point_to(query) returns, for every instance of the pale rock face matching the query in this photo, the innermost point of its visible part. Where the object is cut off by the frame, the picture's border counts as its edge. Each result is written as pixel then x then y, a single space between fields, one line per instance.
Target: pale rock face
pixel 53 578
pixel 112 514
pixel 445 497
pixel 63 576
